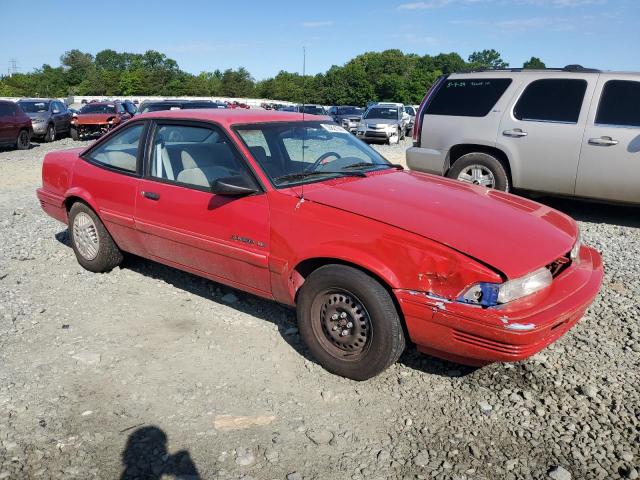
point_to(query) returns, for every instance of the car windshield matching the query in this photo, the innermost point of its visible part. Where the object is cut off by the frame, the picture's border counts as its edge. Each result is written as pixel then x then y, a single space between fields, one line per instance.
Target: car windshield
pixel 98 108
pixel 293 153
pixel 34 107
pixel 349 111
pixel 312 110
pixel 384 113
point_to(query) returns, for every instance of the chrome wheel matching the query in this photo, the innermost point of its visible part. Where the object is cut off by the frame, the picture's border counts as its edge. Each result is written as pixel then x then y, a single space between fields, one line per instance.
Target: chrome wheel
pixel 344 326
pixel 85 236
pixel 478 175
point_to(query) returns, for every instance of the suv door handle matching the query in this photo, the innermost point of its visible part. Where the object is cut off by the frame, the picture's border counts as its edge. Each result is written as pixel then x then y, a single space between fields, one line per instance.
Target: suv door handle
pixel 516 132
pixel 151 195
pixel 603 142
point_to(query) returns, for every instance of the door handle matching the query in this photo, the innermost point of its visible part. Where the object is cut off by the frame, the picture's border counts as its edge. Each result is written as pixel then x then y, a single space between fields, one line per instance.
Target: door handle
pixel 151 195
pixel 516 133
pixel 603 142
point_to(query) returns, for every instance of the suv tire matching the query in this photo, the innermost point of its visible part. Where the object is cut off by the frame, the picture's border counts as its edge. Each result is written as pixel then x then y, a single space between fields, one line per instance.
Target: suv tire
pixel 480 168
pixel 50 135
pixel 23 142
pixel 338 298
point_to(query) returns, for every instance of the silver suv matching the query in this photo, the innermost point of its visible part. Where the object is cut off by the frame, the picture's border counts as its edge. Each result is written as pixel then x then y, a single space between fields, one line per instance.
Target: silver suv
pixel 383 122
pixel 571 131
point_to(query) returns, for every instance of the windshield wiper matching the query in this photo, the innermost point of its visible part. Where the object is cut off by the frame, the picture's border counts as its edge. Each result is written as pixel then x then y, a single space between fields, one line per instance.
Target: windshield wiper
pixel 301 175
pixel 368 164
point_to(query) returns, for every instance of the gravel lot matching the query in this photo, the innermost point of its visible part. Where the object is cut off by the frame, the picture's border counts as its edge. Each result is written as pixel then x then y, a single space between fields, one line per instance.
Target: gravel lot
pixel 148 372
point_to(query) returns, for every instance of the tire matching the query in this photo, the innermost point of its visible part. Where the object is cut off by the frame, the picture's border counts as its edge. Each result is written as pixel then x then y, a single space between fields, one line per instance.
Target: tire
pixel 94 248
pixel 74 134
pixel 403 134
pixel 50 136
pixel 492 169
pixel 23 142
pixel 375 339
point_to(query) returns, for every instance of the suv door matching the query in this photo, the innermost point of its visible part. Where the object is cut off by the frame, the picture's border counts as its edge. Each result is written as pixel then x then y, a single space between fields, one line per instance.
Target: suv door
pixel 611 146
pixel 542 133
pixel 182 223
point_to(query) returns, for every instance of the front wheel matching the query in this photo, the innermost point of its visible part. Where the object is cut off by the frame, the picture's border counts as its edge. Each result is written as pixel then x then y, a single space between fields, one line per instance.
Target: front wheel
pixel 94 248
pixel 349 322
pixel 480 168
pixel 50 136
pixel 395 138
pixel 74 134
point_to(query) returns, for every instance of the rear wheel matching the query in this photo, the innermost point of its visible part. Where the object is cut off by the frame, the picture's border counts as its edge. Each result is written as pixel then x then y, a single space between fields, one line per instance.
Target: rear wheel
pixel 480 168
pixel 74 134
pixel 23 141
pixel 349 322
pixel 94 248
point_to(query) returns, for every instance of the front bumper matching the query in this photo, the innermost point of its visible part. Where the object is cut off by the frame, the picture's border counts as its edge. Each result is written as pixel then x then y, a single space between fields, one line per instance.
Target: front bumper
pixel 475 336
pixel 39 129
pixel 371 134
pixel 93 129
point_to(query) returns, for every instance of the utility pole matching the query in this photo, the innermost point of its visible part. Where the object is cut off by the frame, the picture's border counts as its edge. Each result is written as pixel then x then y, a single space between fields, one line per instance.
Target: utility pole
pixel 13 67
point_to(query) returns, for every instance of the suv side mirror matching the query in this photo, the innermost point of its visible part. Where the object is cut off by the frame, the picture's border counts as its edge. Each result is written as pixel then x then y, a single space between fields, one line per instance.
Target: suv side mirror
pixel 236 186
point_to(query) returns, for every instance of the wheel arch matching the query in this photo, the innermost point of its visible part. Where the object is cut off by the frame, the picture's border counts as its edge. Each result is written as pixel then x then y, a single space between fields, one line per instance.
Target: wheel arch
pixel 74 196
pixel 462 149
pixel 306 267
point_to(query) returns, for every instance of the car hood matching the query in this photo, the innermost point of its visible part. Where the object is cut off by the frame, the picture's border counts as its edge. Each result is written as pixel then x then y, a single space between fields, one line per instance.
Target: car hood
pixel 511 234
pixel 93 118
pixel 38 116
pixel 379 121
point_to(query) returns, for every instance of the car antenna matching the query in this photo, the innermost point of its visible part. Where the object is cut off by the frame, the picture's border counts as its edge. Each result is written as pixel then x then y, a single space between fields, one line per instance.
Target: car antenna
pixel 304 130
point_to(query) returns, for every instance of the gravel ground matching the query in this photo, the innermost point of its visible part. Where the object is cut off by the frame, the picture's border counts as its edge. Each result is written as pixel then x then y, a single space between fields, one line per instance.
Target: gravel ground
pixel 148 372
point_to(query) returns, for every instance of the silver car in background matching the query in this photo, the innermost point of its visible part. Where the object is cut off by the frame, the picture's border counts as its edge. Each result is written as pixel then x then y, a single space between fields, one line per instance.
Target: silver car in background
pixel 572 131
pixel 383 122
pixel 50 117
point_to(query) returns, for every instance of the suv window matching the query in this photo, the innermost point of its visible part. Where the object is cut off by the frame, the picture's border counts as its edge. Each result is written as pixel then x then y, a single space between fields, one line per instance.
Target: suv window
pixel 619 104
pixel 193 156
pixel 551 100
pixel 121 150
pixel 468 97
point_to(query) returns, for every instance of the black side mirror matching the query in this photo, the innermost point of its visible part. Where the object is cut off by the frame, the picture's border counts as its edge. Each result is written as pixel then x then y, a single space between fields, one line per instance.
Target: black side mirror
pixel 236 186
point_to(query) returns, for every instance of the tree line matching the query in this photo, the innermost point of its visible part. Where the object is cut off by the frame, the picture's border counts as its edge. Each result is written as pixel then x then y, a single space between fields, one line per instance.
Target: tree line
pixel 390 75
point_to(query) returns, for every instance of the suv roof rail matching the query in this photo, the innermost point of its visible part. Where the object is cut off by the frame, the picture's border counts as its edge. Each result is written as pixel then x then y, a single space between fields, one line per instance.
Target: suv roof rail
pixel 568 68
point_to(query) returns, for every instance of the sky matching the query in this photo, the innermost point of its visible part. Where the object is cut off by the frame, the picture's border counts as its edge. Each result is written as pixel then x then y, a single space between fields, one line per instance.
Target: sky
pixel 266 36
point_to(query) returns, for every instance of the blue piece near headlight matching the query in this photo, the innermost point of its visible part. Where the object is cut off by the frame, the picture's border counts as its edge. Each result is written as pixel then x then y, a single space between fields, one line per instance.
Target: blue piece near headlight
pixel 485 294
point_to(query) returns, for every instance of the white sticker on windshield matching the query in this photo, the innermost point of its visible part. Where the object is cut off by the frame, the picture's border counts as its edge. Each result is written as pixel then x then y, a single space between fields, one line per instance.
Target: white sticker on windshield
pixel 333 128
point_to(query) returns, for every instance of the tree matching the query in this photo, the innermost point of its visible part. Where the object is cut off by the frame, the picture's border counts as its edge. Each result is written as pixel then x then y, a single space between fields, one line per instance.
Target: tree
pixel 534 62
pixel 487 59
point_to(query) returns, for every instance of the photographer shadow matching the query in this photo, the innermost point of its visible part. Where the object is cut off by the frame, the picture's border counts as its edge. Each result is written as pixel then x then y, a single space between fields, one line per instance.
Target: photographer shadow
pixel 145 457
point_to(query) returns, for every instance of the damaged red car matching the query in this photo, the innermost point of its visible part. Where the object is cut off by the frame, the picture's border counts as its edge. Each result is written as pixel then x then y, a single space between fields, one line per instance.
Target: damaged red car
pixel 299 211
pixel 96 119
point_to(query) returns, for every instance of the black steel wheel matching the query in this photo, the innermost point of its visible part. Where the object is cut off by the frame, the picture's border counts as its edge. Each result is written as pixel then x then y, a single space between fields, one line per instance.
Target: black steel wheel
pixel 23 141
pixel 349 322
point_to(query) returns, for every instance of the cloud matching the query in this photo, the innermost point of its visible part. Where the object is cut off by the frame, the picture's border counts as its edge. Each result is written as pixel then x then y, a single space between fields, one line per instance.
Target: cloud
pixel 317 24
pixel 431 4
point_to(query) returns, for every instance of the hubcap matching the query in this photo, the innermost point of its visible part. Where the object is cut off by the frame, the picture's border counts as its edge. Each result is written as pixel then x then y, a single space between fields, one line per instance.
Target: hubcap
pixel 478 175
pixel 52 134
pixel 85 236
pixel 345 327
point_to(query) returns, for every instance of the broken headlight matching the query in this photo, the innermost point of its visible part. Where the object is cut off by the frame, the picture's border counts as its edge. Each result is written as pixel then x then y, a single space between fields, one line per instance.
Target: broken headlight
pixel 492 294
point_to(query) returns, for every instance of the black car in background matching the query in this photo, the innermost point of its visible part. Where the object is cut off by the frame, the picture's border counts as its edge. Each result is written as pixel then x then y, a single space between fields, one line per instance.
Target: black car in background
pixel 156 106
pixel 129 107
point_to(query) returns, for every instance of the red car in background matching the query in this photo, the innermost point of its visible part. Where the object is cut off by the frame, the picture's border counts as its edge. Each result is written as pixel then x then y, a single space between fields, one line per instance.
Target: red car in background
pixel 97 118
pixel 302 212
pixel 15 126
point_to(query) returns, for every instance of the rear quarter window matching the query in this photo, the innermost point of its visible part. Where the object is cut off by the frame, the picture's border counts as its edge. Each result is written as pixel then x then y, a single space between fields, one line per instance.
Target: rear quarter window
pixel 551 100
pixel 468 97
pixel 619 104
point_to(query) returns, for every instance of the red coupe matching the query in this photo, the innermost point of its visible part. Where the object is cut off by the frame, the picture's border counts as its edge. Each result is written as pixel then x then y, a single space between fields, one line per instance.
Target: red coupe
pixel 303 213
pixel 97 118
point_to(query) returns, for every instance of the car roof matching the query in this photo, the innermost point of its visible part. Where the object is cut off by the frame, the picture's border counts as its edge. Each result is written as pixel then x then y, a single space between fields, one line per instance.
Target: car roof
pixel 106 103
pixel 38 100
pixel 539 73
pixel 231 116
